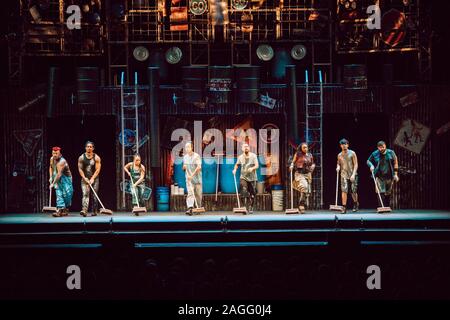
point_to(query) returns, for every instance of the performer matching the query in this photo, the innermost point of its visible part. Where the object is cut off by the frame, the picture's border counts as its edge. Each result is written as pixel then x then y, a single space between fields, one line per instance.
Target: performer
pixel 384 164
pixel 192 165
pixel 303 164
pixel 61 180
pixel 347 164
pixel 249 162
pixel 89 166
pixel 136 172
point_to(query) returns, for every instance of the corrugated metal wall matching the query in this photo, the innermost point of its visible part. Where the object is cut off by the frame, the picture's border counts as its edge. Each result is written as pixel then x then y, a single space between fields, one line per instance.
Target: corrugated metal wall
pixel 428 188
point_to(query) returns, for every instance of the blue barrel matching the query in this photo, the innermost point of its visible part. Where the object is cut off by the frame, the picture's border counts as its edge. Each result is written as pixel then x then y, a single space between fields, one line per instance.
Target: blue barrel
pixel 178 175
pixel 277 187
pixel 226 175
pixel 209 173
pixel 162 198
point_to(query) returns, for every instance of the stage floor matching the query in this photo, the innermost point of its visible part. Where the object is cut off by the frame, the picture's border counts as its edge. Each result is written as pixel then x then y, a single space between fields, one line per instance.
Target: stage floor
pixel 322 226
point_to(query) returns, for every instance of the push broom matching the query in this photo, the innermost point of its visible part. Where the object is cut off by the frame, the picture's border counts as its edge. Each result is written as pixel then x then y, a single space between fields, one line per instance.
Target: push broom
pixel 240 209
pixel 292 210
pixel 197 209
pixel 335 207
pixel 381 209
pixel 136 209
pixel 49 208
pixel 103 210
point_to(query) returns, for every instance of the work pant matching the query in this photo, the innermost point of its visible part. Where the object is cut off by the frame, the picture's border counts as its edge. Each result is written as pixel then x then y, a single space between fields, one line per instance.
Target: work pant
pixel 138 192
pixel 248 191
pixel 87 194
pixel 195 191
pixel 64 192
pixel 385 186
pixel 302 183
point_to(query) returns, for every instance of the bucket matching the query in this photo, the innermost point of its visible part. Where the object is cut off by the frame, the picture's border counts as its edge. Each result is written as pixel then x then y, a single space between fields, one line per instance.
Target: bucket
pixel 277 200
pixel 260 187
pixel 162 198
pixel 226 175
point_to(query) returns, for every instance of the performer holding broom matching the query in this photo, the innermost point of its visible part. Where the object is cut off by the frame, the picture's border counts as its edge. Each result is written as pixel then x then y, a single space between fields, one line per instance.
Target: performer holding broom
pixel 383 163
pixel 303 164
pixel 61 180
pixel 89 166
pixel 192 165
pixel 249 162
pixel 136 172
pixel 347 164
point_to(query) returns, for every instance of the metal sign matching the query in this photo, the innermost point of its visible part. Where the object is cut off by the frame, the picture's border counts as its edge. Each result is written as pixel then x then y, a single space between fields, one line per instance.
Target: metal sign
pixel 198 7
pixel 412 136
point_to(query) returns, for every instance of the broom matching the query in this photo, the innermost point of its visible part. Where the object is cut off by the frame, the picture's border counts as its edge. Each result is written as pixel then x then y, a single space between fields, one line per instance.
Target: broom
pixel 240 209
pixel 381 209
pixel 292 210
pixel 335 207
pixel 103 209
pixel 49 208
pixel 136 209
pixel 197 209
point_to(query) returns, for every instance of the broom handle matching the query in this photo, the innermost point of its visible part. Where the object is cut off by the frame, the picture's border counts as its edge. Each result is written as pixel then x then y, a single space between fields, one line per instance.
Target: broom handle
pixel 292 193
pixel 217 175
pixel 378 190
pixel 337 186
pixel 237 195
pixel 95 193
pixel 50 198
pixel 134 191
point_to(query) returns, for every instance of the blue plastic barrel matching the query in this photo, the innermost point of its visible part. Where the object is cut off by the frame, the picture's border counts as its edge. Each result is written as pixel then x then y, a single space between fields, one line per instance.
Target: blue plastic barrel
pixel 179 176
pixel 162 198
pixel 209 173
pixel 226 175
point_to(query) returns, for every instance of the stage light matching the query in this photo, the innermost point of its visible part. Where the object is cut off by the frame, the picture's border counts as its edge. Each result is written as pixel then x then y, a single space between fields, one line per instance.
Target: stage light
pixel 265 52
pixel 314 16
pixel 298 52
pixel 140 53
pixel 219 12
pixel 174 55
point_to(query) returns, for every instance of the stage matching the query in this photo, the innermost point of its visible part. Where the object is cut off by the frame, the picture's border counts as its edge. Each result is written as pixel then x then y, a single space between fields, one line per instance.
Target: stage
pixel 222 229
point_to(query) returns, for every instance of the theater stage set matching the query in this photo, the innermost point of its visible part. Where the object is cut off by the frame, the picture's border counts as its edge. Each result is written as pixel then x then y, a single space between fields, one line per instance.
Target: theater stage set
pixel 137 71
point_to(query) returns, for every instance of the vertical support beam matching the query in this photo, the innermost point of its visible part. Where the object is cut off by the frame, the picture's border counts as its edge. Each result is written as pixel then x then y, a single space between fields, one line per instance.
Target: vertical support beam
pixel 292 104
pixel 153 80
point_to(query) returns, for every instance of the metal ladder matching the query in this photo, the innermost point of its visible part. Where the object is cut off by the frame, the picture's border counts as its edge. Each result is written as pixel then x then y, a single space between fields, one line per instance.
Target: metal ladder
pixel 129 119
pixel 314 136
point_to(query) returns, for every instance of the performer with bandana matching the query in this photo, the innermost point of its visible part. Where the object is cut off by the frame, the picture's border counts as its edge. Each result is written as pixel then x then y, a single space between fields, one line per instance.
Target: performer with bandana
pixel 61 180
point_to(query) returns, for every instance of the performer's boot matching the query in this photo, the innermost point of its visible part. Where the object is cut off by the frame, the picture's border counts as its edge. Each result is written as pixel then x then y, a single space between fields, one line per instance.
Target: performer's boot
pixel 302 201
pixel 344 209
pixel 355 206
pixel 387 200
pixel 189 211
pixel 250 207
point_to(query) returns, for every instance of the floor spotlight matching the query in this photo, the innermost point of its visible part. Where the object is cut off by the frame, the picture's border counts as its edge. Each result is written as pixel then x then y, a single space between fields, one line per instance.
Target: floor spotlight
pixel 264 52
pixel 174 55
pixel 298 52
pixel 140 53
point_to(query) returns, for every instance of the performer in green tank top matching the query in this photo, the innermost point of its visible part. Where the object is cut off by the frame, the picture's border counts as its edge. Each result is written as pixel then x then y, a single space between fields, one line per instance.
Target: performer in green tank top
pixel 136 171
